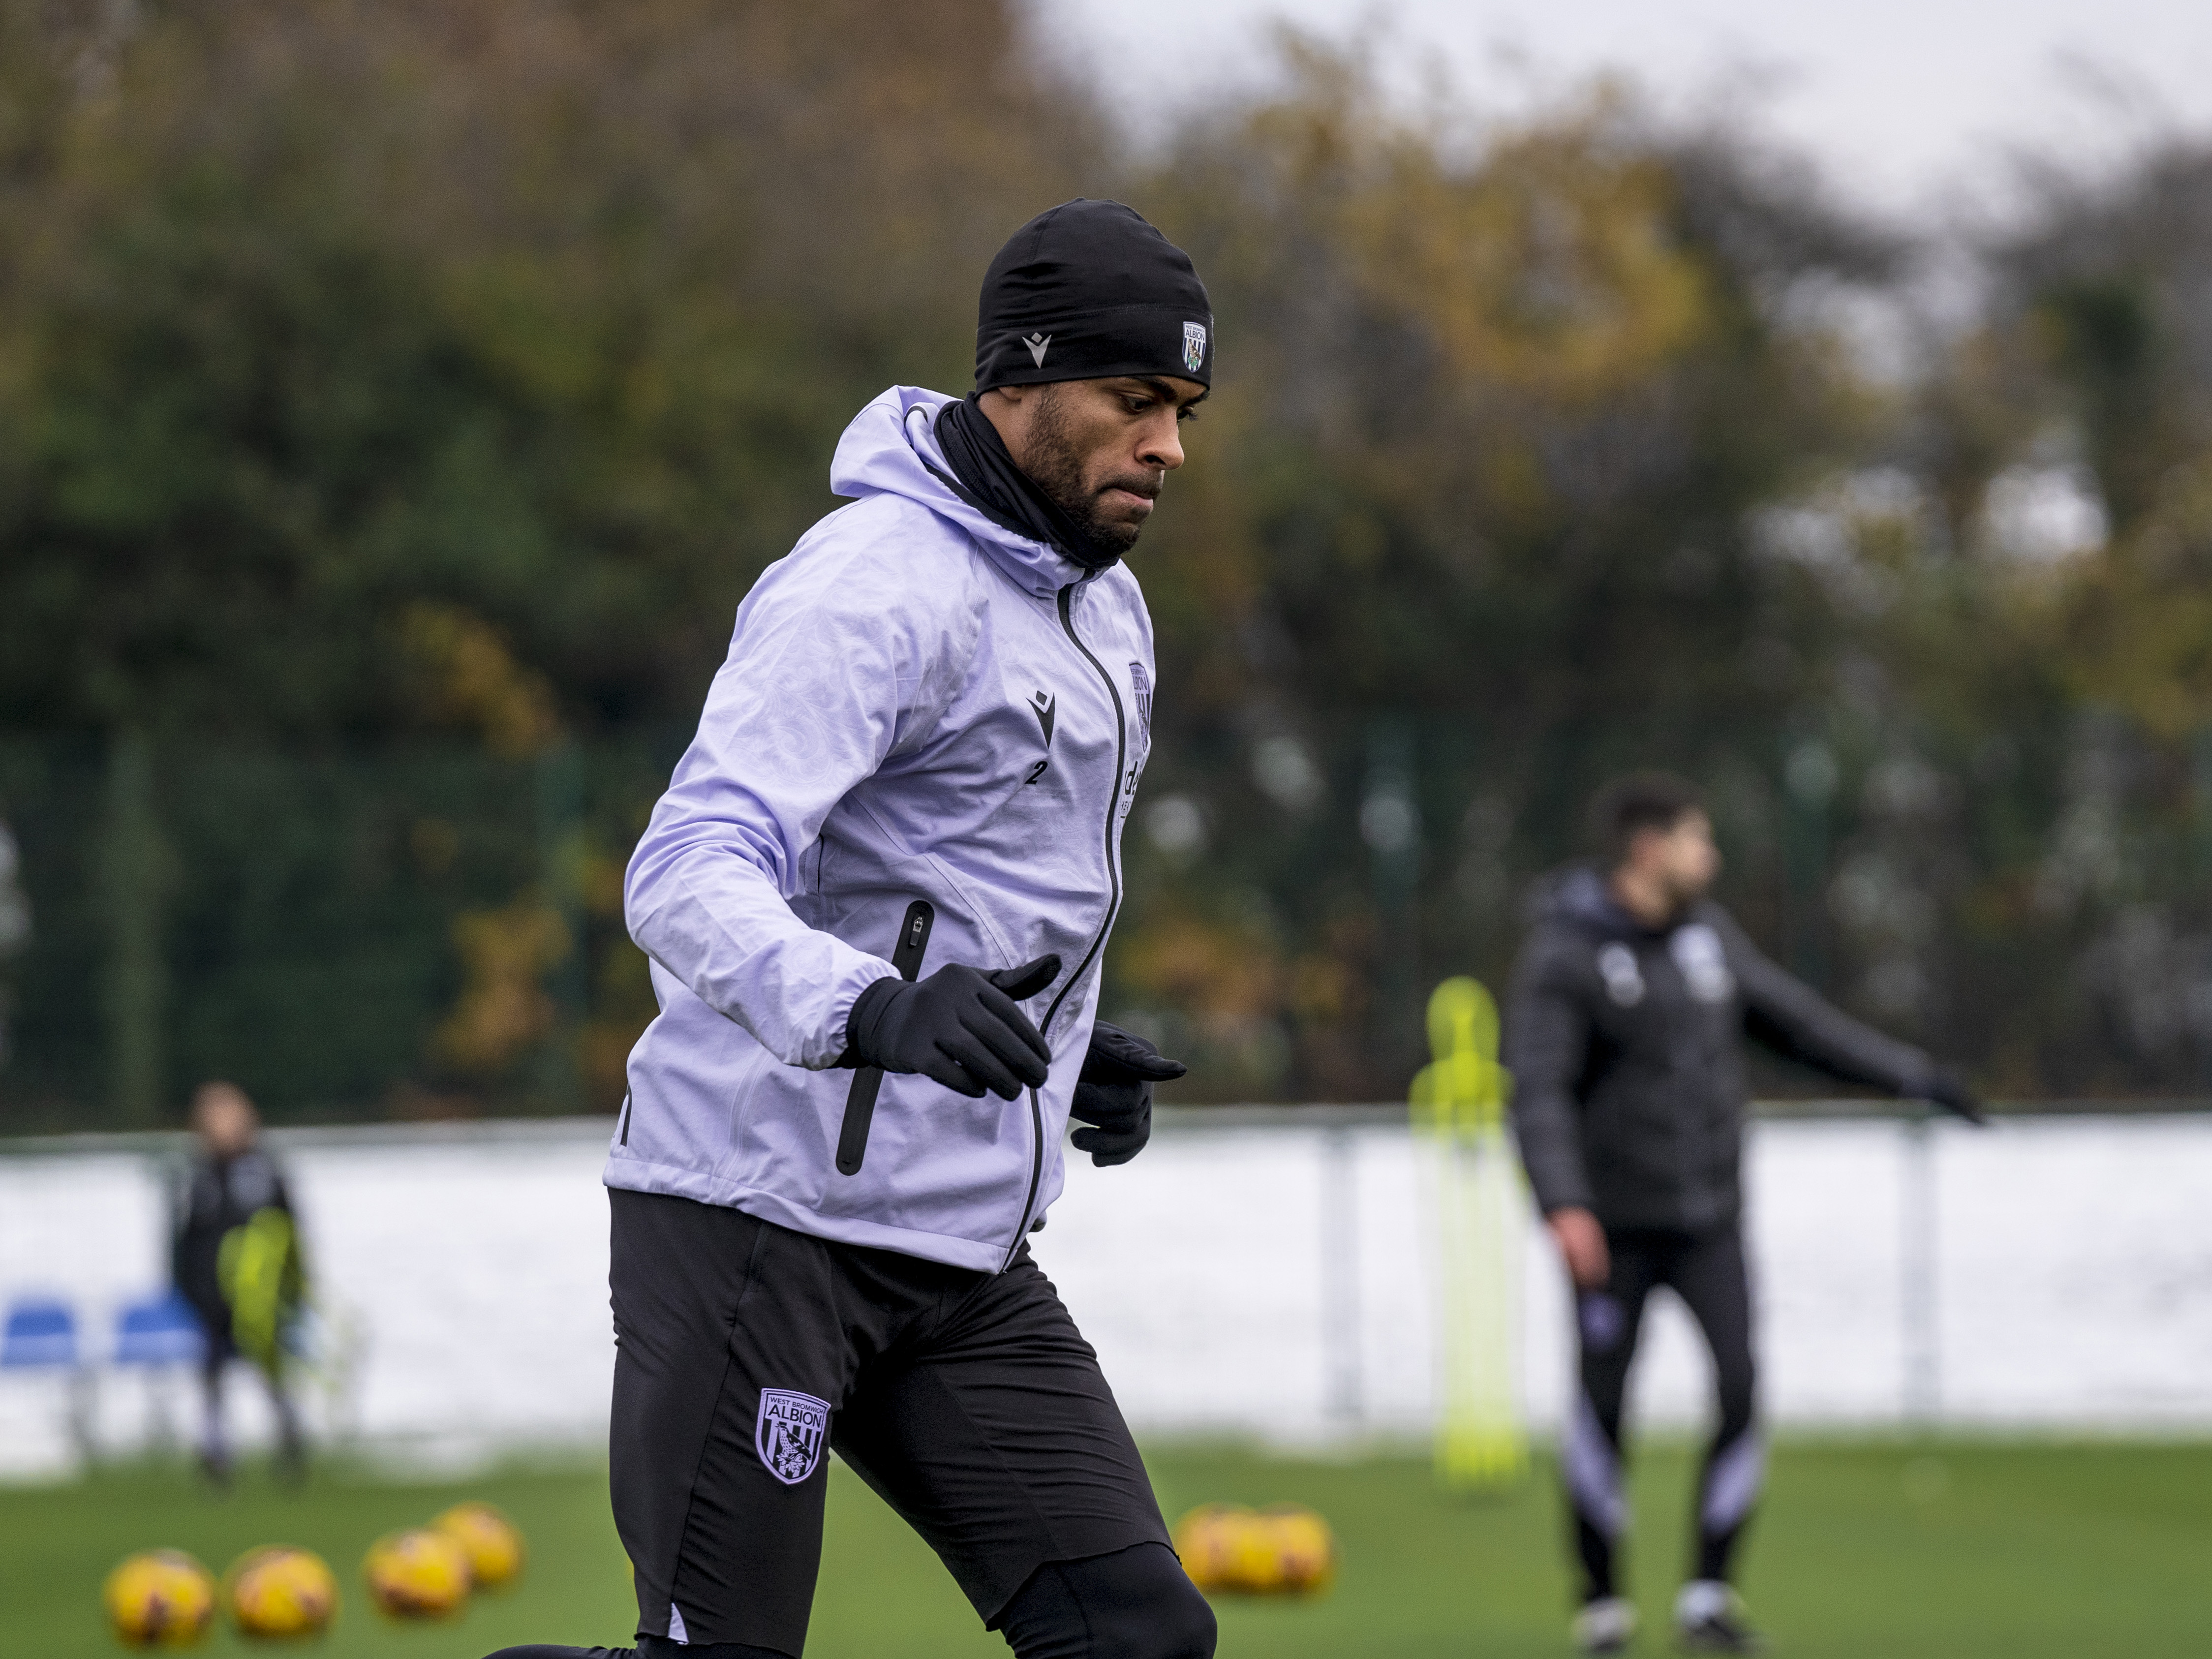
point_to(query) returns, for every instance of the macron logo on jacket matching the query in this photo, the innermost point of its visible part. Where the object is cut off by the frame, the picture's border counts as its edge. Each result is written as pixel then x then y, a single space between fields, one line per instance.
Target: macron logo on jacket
pixel 917 704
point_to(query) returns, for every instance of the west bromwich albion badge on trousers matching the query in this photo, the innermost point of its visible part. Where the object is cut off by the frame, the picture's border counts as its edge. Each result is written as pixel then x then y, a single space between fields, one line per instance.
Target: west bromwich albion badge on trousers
pixel 792 1430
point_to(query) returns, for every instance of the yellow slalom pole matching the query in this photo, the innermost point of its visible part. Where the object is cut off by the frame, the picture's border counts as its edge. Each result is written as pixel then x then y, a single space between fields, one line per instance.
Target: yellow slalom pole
pixel 1479 1217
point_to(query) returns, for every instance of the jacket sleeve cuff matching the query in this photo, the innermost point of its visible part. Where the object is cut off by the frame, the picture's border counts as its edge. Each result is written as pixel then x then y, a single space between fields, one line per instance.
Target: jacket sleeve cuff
pixel 836 1051
pixel 1554 1196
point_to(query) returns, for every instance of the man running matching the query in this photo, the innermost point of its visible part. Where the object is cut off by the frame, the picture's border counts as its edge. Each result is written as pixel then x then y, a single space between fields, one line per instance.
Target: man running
pixel 876 896
pixel 1622 1034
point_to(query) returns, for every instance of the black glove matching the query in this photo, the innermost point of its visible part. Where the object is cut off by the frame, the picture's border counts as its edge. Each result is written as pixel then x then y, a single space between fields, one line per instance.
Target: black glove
pixel 959 1027
pixel 1116 1093
pixel 1949 1090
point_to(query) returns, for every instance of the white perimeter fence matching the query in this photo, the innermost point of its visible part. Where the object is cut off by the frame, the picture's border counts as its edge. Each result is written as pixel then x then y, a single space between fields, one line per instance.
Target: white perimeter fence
pixel 1252 1273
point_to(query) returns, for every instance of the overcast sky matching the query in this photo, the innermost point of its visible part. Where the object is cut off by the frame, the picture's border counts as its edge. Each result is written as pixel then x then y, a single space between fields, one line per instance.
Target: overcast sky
pixel 1908 102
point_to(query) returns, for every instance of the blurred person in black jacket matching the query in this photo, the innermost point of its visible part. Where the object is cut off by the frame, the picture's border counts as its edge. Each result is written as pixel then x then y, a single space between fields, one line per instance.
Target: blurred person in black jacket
pixel 1624 1035
pixel 235 1258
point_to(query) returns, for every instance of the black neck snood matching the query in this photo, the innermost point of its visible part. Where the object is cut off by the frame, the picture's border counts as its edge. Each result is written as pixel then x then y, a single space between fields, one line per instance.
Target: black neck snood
pixel 985 476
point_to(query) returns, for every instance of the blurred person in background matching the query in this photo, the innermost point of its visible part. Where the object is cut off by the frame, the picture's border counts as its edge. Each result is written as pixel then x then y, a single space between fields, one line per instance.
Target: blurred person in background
pixel 1624 1035
pixel 235 1258
pixel 942 698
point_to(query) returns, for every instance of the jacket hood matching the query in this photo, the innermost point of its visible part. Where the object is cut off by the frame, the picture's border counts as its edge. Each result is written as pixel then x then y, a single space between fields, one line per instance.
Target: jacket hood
pixel 1577 895
pixel 890 449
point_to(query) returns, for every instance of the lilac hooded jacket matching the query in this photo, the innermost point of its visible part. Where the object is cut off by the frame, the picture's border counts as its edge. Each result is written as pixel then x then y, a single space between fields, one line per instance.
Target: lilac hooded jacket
pixel 917 704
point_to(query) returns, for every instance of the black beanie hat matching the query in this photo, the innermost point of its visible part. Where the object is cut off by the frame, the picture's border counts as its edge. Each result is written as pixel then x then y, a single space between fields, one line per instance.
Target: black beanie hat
pixel 1087 290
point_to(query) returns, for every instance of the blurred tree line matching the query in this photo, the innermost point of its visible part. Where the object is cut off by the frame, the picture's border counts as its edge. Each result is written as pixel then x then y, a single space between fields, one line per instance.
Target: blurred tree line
pixel 397 398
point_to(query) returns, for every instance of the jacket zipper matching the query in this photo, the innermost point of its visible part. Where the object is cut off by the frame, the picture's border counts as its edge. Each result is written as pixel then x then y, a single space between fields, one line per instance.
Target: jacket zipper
pixel 1106 923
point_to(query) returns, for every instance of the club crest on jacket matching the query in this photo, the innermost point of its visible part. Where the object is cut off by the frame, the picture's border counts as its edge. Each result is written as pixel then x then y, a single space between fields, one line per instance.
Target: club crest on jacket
pixel 790 1433
pixel 1141 683
pixel 1697 952
pixel 1623 981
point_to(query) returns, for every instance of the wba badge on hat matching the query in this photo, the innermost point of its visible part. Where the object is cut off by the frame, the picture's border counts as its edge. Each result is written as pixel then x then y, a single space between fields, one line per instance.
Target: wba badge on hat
pixel 1193 346
pixel 790 1433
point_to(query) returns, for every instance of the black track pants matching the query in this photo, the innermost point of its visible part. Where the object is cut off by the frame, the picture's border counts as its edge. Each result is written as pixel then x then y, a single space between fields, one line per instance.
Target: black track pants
pixel 1135 1603
pixel 1707 1270
pixel 649 1647
pixel 746 1352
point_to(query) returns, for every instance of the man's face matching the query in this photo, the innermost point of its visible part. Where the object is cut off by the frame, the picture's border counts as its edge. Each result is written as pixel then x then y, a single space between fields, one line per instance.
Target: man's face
pixel 1684 859
pixel 1102 449
pixel 225 1119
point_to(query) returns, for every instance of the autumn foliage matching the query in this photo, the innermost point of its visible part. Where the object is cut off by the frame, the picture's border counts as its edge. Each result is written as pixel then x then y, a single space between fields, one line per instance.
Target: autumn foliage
pixel 397 398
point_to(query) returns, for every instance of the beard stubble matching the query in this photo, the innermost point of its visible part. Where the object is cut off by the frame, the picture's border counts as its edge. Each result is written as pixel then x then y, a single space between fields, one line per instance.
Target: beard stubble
pixel 1056 468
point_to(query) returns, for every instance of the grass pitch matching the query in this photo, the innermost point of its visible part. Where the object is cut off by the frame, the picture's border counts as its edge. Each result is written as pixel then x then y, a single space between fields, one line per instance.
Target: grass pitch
pixel 1946 1550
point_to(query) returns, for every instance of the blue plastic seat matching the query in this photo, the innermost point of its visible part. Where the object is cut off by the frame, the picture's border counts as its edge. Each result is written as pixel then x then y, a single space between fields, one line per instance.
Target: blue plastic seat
pixel 40 1334
pixel 161 1330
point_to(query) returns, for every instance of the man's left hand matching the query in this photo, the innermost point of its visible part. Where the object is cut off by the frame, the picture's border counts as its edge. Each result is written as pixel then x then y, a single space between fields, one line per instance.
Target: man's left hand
pixel 1114 1093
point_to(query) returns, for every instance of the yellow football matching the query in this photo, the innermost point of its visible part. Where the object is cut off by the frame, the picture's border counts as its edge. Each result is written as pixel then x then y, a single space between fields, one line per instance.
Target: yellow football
pixel 279 1591
pixel 488 1539
pixel 1304 1548
pixel 159 1598
pixel 1287 1550
pixel 1221 1551
pixel 419 1573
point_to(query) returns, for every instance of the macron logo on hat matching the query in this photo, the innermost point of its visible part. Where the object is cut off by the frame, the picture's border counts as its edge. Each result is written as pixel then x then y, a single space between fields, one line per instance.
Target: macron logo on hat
pixel 1036 344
